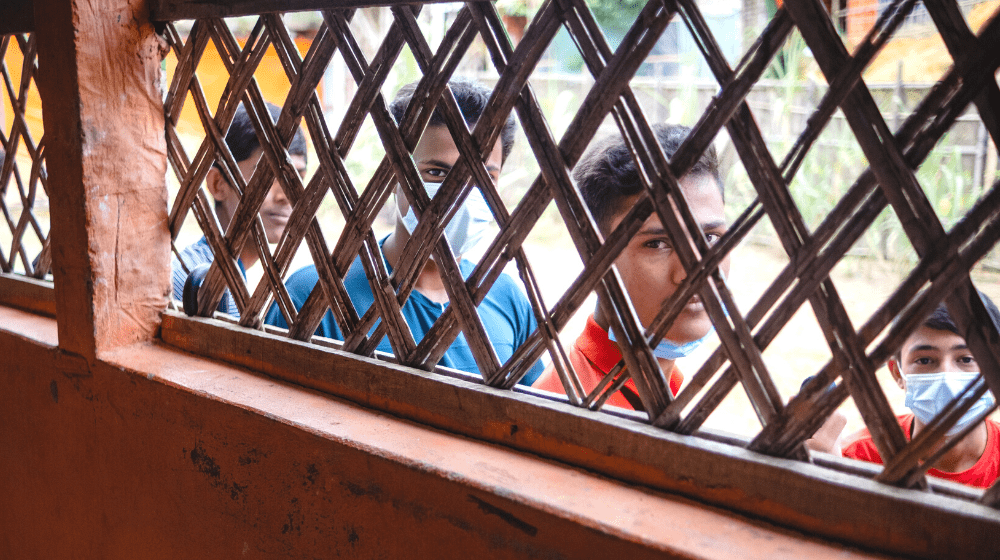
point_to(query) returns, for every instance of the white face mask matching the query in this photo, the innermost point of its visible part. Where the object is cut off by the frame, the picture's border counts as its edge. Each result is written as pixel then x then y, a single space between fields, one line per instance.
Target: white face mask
pixel 670 350
pixel 467 227
pixel 928 393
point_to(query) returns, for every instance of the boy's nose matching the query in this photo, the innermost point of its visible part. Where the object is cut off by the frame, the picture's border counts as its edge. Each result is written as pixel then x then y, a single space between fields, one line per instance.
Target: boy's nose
pixel 676 272
pixel 277 193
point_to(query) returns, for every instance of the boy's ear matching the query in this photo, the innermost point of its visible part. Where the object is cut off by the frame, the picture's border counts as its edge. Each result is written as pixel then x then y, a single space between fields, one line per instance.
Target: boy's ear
pixel 218 186
pixel 893 366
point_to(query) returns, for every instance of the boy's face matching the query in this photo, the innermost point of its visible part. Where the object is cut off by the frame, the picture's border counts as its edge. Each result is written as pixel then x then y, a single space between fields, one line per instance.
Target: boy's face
pixel 650 268
pixel 435 155
pixel 930 350
pixel 276 209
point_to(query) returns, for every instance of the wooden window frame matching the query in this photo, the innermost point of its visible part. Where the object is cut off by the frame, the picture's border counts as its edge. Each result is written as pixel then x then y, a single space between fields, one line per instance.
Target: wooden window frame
pixel 806 497
pixel 832 498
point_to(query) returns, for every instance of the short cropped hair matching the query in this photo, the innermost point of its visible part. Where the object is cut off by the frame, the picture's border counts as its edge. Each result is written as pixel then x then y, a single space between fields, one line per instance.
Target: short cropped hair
pixel 242 137
pixel 607 174
pixel 940 319
pixel 471 97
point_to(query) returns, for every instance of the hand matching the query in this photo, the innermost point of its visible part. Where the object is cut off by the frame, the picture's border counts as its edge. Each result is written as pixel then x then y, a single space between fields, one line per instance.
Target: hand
pixel 827 437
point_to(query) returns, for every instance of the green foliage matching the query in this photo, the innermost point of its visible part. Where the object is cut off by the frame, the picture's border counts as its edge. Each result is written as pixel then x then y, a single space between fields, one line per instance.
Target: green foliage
pixel 611 12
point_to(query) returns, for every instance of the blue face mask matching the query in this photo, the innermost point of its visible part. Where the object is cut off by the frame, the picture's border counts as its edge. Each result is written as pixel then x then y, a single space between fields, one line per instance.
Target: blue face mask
pixel 670 350
pixel 928 393
pixel 467 227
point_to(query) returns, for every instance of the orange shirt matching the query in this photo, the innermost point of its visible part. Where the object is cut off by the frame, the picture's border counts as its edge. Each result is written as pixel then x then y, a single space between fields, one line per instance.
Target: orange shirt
pixel 594 355
pixel 982 474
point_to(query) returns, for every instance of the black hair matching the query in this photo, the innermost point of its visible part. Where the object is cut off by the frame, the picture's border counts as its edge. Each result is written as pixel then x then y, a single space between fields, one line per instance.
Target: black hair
pixel 607 173
pixel 471 97
pixel 242 137
pixel 940 319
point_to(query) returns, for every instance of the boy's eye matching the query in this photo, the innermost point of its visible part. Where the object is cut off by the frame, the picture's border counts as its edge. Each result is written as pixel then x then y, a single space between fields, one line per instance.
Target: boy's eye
pixel 661 244
pixel 967 360
pixel 923 361
pixel 712 238
pixel 436 172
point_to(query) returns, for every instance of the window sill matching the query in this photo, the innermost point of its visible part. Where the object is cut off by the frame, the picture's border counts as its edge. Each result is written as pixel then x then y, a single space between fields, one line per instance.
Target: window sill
pixel 803 496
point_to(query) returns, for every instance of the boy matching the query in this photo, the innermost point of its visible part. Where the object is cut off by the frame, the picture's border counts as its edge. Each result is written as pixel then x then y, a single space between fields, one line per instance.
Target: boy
pixel 274 212
pixel 650 271
pixel 932 367
pixel 505 312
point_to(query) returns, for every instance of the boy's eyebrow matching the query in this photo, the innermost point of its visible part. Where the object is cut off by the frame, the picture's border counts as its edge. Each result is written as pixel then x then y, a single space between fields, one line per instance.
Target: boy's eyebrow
pixel 438 163
pixel 448 166
pixel 662 231
pixel 924 347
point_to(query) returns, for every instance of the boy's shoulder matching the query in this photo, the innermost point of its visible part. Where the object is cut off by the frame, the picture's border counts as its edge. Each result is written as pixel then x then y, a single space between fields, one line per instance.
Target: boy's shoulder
pixel 505 284
pixel 303 277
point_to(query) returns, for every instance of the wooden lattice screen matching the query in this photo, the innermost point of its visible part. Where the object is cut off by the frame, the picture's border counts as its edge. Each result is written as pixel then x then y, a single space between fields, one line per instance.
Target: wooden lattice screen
pixel 945 257
pixel 24 246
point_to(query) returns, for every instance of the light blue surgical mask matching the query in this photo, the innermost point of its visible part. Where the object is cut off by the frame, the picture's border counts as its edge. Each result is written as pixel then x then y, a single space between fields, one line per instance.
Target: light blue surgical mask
pixel 670 350
pixel 467 227
pixel 928 393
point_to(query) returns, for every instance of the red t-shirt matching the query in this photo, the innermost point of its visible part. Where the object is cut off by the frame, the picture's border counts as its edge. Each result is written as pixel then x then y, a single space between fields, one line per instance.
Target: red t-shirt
pixel 594 355
pixel 982 474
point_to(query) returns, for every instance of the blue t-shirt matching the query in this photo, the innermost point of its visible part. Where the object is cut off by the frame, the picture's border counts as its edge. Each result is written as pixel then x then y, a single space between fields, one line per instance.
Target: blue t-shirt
pixel 505 312
pixel 193 255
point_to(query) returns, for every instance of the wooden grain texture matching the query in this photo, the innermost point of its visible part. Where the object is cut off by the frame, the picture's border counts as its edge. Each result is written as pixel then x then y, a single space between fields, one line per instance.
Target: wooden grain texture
pixel 812 499
pixel 27 293
pixel 106 162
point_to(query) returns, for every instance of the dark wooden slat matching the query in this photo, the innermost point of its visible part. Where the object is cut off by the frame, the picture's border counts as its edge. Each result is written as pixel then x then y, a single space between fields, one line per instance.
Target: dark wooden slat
pixel 503 246
pixel 21 138
pixel 359 221
pixel 171 10
pixel 604 96
pixel 722 107
pixel 897 180
pixel 919 134
pixel 848 76
pixel 302 223
pixel 17 16
pixel 959 39
pixel 387 301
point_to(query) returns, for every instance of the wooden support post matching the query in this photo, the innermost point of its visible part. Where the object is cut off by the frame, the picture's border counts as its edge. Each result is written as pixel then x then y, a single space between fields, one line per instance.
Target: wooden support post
pixel 99 82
